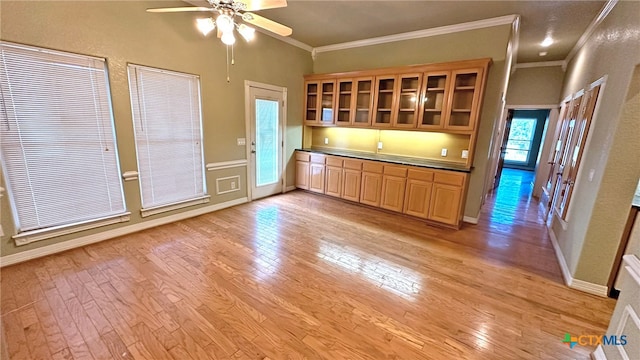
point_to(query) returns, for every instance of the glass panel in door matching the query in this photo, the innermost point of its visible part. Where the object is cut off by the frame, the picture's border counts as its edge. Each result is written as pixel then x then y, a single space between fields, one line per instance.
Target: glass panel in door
pixel 267 143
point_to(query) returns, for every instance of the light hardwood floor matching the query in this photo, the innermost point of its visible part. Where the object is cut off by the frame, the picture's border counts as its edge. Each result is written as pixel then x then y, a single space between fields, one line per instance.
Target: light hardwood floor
pixel 304 276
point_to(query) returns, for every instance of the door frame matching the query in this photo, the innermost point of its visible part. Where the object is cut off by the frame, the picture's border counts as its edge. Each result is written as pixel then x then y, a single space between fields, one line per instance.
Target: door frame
pixel 248 84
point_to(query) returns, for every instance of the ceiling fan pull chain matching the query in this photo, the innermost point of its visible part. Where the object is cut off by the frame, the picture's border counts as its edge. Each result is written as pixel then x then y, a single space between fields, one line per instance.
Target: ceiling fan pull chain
pixel 233 58
pixel 228 80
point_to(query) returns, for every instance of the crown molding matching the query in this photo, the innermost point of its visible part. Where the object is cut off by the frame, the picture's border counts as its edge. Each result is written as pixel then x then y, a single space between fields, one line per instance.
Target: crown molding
pixel 288 40
pixel 562 63
pixel 606 9
pixel 473 25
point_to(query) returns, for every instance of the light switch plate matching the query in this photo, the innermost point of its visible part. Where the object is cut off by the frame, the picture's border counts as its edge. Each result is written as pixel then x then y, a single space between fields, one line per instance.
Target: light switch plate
pixel 465 154
pixel 242 141
pixel 443 152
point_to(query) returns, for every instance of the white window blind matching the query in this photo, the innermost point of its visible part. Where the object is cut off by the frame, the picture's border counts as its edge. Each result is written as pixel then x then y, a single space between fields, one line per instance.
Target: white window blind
pixel 58 144
pixel 168 134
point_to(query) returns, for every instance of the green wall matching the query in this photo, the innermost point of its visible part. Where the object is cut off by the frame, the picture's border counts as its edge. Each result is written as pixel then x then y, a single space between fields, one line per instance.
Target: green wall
pixel 481 43
pixel 599 207
pixel 535 86
pixel 122 32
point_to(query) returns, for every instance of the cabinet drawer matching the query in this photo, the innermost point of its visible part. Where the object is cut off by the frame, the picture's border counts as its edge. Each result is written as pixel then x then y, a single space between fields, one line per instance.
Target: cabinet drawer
pixel 399 171
pixel 317 158
pixel 418 174
pixel 352 164
pixel 302 156
pixel 449 178
pixel 334 161
pixel 373 167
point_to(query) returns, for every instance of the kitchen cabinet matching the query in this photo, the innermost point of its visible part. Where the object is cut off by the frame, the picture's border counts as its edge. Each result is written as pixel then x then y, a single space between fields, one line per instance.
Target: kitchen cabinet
pixel 311 104
pixel 362 101
pixel 345 102
pixel 465 98
pixel 417 198
pixel 408 101
pixel 351 179
pixel 302 170
pixel 435 103
pixel 316 173
pixel 385 95
pixel 393 187
pixel 333 169
pixel 320 102
pixel 431 194
pixel 371 188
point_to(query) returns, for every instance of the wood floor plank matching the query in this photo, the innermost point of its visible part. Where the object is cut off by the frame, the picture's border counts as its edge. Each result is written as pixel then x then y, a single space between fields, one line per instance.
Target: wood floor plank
pixel 302 276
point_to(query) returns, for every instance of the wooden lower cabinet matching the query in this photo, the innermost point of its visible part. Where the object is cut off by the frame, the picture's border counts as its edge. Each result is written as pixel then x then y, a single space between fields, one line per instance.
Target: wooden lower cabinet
pixel 417 198
pixel 302 174
pixel 445 203
pixel 316 178
pixel 392 192
pixel 333 186
pixel 351 182
pixel 371 189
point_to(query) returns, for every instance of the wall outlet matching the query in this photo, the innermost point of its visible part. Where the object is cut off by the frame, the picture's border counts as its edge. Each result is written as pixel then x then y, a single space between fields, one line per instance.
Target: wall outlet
pixel 326 141
pixel 242 141
pixel 233 185
pixel 443 152
pixel 379 145
pixel 465 154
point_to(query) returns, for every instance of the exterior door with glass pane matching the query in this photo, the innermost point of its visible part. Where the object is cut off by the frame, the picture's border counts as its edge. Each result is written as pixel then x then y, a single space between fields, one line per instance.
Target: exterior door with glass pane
pixel 266 129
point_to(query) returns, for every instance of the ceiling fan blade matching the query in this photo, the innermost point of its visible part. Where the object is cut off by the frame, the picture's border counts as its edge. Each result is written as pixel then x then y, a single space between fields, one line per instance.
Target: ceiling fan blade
pixel 180 9
pixel 253 5
pixel 267 24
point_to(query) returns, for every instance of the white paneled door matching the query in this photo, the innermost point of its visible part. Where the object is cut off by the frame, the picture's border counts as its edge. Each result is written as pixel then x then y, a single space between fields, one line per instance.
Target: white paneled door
pixel 265 142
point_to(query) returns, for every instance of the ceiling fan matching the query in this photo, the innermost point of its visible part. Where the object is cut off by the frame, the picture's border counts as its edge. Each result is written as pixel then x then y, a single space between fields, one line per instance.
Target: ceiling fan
pixel 227 10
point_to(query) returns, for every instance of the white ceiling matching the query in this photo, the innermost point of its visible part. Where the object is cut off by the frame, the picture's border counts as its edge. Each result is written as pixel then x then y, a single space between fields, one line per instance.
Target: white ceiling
pixel 322 22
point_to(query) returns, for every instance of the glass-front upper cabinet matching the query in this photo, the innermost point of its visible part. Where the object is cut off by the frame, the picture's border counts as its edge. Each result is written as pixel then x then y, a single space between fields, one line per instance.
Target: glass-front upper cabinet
pixel 311 104
pixel 363 101
pixel 465 98
pixel 408 101
pixel 385 104
pixel 327 103
pixel 345 102
pixel 434 102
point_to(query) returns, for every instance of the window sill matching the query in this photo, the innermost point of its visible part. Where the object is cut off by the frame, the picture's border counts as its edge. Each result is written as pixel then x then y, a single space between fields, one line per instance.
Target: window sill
pixel 174 206
pixel 27 237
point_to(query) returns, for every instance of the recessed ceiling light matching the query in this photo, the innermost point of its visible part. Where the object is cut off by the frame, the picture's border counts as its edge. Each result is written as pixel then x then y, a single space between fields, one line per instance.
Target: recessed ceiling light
pixel 547 41
pixel 542 53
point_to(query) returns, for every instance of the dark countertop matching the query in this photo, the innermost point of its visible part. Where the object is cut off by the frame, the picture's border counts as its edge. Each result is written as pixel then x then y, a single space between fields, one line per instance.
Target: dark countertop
pixel 394 159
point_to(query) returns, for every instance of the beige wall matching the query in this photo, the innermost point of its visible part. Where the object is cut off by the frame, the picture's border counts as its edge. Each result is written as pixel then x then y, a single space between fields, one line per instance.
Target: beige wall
pixel 599 207
pixel 123 32
pixel 535 86
pixel 488 42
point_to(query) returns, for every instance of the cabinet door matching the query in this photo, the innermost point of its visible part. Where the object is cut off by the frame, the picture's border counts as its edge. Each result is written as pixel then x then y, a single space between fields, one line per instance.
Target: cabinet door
pixel 316 178
pixel 417 198
pixel 345 102
pixel 392 193
pixel 311 102
pixel 464 99
pixel 333 185
pixel 445 203
pixel 408 101
pixel 362 101
pixel 371 189
pixel 385 101
pixel 435 93
pixel 327 102
pixel 351 180
pixel 302 175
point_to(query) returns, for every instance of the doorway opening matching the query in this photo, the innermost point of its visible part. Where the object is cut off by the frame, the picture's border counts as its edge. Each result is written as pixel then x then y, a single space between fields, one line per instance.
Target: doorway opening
pixel 520 150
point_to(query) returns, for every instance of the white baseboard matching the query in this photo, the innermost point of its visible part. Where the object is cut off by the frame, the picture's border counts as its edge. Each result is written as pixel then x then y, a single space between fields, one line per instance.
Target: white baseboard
pixel 290 188
pixel 591 288
pixel 598 354
pixel 90 239
pixel 471 220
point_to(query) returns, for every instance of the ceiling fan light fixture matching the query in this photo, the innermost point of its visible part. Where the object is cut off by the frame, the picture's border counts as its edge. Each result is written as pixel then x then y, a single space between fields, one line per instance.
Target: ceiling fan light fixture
pixel 205 25
pixel 225 23
pixel 547 41
pixel 228 38
pixel 247 32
